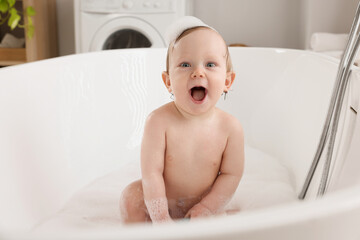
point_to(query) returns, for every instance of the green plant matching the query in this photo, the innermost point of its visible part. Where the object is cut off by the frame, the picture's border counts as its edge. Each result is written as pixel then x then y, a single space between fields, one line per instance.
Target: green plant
pixel 9 14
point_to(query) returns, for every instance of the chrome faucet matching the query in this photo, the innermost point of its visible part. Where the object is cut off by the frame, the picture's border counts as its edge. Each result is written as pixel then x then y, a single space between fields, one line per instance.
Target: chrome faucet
pixel 332 119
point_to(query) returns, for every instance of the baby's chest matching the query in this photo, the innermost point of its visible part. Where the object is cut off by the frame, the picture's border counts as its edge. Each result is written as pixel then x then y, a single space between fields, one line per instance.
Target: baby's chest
pixel 196 146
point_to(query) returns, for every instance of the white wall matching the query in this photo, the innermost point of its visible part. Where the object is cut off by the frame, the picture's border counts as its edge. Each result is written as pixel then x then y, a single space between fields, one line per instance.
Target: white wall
pixel 65 19
pixel 335 16
pixel 258 23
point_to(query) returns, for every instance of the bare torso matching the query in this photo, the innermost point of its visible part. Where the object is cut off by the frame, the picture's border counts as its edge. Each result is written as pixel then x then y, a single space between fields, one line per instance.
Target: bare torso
pixel 193 155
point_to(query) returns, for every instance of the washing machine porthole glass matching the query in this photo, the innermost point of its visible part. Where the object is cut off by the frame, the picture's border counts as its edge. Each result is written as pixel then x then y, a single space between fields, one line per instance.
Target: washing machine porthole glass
pixel 126 38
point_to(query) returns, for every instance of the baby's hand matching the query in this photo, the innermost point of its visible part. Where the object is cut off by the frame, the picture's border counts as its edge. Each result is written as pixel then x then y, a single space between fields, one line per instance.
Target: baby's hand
pixel 198 210
pixel 158 210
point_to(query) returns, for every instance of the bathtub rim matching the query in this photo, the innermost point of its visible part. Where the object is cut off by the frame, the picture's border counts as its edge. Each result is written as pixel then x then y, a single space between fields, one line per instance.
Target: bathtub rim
pixel 247 223
pixel 266 49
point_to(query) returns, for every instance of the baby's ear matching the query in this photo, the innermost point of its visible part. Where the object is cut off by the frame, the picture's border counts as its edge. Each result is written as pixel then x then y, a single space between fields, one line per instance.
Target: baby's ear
pixel 230 76
pixel 166 80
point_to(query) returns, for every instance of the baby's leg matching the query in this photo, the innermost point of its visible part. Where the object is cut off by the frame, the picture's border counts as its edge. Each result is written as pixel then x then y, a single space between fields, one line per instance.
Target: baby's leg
pixel 132 206
pixel 232 211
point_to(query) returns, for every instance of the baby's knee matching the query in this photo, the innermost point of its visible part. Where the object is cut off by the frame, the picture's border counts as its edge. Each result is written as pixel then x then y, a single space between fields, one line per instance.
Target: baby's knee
pixel 132 206
pixel 132 197
pixel 133 190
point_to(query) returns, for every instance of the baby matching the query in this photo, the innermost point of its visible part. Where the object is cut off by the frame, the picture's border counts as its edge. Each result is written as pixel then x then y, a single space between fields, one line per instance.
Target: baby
pixel 192 153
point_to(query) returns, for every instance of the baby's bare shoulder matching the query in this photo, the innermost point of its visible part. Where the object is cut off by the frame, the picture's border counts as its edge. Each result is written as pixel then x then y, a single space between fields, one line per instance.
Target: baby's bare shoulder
pixel 160 115
pixel 230 122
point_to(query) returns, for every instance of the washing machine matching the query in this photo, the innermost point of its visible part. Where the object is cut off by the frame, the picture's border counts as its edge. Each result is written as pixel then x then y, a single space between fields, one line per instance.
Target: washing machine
pixel 116 24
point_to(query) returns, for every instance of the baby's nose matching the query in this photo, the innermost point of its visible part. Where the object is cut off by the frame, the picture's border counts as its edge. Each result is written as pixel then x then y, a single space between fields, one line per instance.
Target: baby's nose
pixel 197 73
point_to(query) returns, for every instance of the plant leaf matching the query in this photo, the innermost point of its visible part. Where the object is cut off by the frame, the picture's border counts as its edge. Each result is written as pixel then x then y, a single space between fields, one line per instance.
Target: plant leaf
pixel 3 6
pixel 30 11
pixel 30 22
pixel 11 3
pixel 14 18
pixel 30 31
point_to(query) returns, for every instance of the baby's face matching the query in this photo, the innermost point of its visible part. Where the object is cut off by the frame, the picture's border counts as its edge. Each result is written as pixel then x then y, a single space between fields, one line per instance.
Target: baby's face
pixel 197 71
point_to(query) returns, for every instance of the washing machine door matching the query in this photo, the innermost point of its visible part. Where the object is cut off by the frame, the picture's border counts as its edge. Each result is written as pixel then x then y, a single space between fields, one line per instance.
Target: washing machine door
pixel 126 32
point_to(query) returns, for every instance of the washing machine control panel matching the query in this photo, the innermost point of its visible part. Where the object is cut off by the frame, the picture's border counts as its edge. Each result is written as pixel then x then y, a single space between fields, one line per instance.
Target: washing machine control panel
pixel 128 6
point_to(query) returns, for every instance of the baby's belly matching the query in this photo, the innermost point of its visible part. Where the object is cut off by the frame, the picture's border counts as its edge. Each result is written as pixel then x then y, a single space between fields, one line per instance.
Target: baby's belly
pixel 189 178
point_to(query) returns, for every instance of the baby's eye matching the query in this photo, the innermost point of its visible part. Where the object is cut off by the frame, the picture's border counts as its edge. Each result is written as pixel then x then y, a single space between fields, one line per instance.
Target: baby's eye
pixel 185 65
pixel 210 65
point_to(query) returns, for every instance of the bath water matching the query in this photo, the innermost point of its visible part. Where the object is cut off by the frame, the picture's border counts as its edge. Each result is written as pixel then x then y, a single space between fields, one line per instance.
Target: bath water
pixel 265 183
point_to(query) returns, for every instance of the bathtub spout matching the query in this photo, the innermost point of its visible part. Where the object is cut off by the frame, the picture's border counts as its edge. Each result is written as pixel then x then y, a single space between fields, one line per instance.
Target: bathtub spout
pixel 332 120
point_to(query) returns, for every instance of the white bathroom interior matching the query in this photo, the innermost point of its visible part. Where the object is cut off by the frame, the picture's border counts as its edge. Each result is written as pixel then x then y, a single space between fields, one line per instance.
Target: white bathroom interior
pixel 269 27
pixel 256 23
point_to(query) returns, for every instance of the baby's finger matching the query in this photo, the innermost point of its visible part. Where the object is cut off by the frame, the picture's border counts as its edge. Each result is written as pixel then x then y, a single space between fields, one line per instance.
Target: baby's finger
pixel 188 215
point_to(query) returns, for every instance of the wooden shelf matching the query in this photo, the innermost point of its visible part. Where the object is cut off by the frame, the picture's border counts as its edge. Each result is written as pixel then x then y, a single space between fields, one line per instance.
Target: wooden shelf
pixel 11 56
pixel 44 42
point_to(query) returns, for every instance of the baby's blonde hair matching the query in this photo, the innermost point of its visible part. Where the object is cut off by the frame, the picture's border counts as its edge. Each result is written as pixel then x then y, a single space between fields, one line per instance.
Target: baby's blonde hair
pixel 229 67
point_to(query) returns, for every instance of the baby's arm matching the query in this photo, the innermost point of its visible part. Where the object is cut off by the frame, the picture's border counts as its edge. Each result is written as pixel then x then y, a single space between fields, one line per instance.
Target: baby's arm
pixel 152 167
pixel 226 183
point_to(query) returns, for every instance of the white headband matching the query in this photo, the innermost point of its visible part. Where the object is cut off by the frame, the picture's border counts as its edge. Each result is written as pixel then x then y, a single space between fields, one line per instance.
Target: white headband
pixel 182 24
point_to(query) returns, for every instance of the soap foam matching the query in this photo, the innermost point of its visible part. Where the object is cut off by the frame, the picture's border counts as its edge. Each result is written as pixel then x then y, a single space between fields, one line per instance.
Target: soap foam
pixel 265 183
pixel 156 208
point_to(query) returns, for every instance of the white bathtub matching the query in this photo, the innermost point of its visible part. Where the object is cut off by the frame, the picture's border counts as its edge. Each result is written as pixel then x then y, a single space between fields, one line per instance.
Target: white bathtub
pixel 68 121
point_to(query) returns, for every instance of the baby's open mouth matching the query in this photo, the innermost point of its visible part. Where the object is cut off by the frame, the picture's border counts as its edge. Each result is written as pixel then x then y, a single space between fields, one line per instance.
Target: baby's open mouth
pixel 198 93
